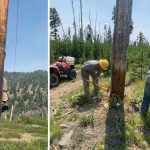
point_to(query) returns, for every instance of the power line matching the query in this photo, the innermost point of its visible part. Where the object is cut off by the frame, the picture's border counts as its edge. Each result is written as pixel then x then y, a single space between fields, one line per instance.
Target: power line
pixel 16 43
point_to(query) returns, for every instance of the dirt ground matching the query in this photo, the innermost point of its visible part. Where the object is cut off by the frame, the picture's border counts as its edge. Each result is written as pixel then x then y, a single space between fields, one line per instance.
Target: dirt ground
pixel 92 135
pixel 97 135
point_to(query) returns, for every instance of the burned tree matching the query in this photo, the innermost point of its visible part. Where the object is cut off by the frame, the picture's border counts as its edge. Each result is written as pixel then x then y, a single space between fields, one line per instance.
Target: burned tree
pixel 3 27
pixel 120 46
pixel 74 22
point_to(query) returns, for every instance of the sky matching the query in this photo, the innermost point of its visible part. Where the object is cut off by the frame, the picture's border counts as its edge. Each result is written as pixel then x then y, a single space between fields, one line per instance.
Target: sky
pixel 32 47
pixel 103 9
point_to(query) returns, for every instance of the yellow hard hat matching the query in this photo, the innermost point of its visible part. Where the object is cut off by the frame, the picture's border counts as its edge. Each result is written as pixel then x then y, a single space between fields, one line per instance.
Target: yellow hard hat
pixel 104 64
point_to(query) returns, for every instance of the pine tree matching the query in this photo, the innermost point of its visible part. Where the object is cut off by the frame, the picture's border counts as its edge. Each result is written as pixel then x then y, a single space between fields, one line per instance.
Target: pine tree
pixel 55 22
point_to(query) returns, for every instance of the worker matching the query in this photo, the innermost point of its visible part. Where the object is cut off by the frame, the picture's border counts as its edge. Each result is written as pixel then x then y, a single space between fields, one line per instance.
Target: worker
pixel 146 98
pixel 93 68
pixel 5 96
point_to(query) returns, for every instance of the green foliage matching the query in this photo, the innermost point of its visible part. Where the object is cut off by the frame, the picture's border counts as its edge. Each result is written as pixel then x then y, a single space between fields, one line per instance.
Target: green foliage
pixel 32 120
pixel 138 58
pixel 36 130
pixel 80 137
pixel 7 134
pixel 7 145
pixel 59 111
pixel 54 22
pixel 87 120
pixel 36 145
pixel 91 47
pixel 40 144
pixel 55 130
pixel 17 128
pixel 79 100
pixel 73 117
pixel 28 91
pixel 133 134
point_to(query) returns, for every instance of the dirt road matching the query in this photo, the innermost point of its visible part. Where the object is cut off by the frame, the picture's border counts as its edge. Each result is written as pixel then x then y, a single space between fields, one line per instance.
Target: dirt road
pixel 64 88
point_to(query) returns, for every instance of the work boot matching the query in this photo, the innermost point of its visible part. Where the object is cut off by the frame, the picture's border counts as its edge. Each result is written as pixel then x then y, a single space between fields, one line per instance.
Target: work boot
pixel 4 106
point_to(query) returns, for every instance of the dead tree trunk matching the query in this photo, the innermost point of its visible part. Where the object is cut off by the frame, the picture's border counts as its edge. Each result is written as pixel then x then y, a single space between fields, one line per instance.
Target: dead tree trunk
pixel 3 27
pixel 74 23
pixel 81 20
pixel 120 46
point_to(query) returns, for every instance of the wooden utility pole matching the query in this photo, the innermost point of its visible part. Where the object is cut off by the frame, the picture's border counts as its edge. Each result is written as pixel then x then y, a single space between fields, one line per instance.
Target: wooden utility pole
pixel 120 46
pixel 3 30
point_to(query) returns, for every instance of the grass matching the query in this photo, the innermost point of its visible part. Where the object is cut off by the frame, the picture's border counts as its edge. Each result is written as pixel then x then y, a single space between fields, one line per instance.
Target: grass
pixel 134 136
pixel 32 120
pixel 39 130
pixel 55 130
pixel 79 101
pixel 80 137
pixel 67 96
pixel 78 66
pixel 59 111
pixel 72 117
pixel 132 123
pixel 36 145
pixel 8 134
pixel 35 127
pixel 87 120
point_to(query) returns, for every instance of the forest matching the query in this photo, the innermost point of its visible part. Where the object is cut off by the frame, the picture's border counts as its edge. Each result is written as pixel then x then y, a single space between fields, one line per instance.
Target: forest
pixel 28 92
pixel 87 44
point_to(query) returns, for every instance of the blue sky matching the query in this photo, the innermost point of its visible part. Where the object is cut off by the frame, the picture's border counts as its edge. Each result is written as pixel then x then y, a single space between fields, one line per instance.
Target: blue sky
pixel 32 48
pixel 104 8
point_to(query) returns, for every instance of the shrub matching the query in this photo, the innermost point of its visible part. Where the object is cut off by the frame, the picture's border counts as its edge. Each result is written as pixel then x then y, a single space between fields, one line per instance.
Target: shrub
pixel 87 120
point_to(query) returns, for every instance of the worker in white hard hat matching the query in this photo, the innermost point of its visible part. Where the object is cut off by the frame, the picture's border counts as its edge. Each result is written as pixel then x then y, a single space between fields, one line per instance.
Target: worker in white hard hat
pixel 93 68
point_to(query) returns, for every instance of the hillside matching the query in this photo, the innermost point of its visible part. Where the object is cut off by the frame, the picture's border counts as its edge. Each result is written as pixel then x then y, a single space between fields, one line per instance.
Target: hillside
pixel 102 123
pixel 28 92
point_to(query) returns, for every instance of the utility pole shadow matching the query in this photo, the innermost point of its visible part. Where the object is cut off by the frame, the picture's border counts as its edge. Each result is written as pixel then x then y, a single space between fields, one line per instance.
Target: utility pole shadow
pixel 115 125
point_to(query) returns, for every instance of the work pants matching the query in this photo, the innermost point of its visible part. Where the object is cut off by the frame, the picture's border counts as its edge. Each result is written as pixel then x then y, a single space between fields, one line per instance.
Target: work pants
pixel 85 77
pixel 146 99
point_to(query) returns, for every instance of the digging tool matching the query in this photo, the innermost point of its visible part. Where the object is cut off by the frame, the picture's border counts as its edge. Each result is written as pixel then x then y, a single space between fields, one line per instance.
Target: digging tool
pixel 107 89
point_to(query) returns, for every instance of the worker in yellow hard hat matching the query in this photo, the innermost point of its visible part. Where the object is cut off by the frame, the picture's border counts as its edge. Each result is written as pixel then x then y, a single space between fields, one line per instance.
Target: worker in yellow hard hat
pixel 93 68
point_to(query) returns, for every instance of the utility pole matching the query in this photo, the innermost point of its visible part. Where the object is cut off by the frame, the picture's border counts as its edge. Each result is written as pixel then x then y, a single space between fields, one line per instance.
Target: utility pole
pixel 3 30
pixel 120 46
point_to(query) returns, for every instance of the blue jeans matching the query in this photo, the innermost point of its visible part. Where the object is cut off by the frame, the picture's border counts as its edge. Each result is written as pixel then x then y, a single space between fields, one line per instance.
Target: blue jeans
pixel 146 99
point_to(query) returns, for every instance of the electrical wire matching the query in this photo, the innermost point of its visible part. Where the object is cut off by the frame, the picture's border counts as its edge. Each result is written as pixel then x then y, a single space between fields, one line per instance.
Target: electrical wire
pixel 16 42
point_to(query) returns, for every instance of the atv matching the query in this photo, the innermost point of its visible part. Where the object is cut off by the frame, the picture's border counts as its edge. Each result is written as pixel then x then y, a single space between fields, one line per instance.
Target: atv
pixel 63 68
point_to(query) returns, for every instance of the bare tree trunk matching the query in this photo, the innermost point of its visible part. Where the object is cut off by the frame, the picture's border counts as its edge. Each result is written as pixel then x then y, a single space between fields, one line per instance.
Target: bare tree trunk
pixel 120 46
pixel 95 26
pixel 90 18
pixel 3 30
pixel 75 28
pixel 62 29
pixel 81 20
pixel 142 64
pixel 90 25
